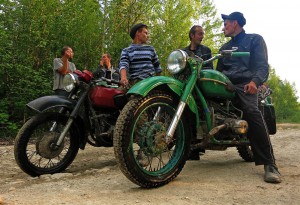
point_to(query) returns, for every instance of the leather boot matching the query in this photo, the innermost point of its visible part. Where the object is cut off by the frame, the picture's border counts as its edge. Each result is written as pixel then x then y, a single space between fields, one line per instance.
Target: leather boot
pixel 272 174
pixel 194 155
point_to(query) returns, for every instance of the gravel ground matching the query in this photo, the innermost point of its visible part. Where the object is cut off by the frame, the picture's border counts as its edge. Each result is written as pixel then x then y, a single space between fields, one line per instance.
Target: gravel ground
pixel 220 177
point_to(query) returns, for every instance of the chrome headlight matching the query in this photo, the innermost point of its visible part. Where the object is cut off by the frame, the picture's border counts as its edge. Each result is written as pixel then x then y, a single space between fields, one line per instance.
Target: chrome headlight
pixel 177 61
pixel 70 82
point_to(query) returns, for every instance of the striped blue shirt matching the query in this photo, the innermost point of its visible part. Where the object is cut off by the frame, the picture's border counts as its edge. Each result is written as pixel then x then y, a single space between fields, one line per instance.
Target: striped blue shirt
pixel 140 61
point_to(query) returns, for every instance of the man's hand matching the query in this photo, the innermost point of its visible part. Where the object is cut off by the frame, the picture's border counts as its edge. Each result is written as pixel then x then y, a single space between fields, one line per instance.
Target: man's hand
pixel 68 54
pixel 250 88
pixel 101 62
pixel 124 82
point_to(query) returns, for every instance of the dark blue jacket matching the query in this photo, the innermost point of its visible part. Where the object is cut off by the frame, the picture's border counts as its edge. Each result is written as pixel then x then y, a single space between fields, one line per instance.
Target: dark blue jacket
pixel 113 73
pixel 202 51
pixel 242 70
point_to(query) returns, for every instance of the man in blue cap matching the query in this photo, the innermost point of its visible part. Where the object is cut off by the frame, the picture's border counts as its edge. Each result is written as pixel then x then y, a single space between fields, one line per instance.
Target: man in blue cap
pixel 247 74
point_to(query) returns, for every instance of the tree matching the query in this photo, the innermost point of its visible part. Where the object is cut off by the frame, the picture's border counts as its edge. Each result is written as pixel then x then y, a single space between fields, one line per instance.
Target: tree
pixel 32 33
pixel 82 31
pixel 169 23
pixel 214 37
pixel 122 15
pixel 284 96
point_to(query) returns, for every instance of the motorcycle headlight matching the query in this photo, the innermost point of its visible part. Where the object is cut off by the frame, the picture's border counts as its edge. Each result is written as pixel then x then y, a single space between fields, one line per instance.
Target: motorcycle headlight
pixel 177 61
pixel 69 82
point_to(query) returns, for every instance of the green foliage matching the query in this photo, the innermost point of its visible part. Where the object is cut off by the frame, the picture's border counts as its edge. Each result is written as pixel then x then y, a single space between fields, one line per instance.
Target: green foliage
pixel 32 33
pixel 165 22
pixel 7 128
pixel 284 97
pixel 214 37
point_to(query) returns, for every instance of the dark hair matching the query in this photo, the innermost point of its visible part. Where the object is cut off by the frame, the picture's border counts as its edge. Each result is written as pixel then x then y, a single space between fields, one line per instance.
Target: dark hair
pixel 135 28
pixel 108 55
pixel 64 49
pixel 193 31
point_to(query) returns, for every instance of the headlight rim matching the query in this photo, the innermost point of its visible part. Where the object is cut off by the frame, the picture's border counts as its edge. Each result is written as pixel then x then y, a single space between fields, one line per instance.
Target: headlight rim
pixel 70 81
pixel 181 65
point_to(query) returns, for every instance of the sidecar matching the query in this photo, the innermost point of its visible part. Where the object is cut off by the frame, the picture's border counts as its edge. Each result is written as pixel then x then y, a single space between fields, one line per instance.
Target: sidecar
pixel 267 108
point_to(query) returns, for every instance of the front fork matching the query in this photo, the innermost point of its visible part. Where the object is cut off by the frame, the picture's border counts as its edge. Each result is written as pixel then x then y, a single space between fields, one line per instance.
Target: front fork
pixel 72 117
pixel 61 110
pixel 182 104
pixel 54 125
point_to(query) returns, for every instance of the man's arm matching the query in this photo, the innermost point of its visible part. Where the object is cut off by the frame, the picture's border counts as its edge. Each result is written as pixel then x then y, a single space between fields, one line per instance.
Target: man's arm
pixel 124 80
pixel 156 63
pixel 60 66
pixel 64 69
pixel 259 61
pixel 124 65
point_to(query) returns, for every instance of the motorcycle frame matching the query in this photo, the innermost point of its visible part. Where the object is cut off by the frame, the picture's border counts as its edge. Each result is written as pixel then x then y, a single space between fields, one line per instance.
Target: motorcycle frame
pixel 185 92
pixel 82 119
pixel 182 90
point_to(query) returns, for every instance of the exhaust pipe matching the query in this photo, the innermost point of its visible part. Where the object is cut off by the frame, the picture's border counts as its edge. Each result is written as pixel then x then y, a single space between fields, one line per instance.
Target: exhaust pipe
pixel 236 126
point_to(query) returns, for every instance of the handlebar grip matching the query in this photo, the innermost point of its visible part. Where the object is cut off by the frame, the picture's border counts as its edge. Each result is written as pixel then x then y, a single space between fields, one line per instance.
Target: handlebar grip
pixel 240 54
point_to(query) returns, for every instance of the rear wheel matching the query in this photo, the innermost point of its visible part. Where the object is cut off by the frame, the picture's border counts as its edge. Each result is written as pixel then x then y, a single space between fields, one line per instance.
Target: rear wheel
pixel 34 148
pixel 141 149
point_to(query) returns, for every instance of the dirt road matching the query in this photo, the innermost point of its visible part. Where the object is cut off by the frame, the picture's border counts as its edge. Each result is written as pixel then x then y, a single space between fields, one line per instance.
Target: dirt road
pixel 220 177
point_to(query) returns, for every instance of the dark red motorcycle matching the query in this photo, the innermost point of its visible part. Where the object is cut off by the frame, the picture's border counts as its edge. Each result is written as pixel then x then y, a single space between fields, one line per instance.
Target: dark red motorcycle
pixel 49 141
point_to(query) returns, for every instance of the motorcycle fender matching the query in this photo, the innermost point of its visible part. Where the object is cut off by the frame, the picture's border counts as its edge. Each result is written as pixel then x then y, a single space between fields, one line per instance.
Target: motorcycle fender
pixel 52 101
pixel 143 87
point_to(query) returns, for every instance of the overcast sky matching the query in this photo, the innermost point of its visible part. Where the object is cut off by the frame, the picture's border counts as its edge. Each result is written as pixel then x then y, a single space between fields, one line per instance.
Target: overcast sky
pixel 279 24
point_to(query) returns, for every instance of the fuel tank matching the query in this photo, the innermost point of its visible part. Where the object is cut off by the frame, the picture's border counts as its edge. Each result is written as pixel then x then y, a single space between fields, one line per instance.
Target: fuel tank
pixel 215 84
pixel 101 96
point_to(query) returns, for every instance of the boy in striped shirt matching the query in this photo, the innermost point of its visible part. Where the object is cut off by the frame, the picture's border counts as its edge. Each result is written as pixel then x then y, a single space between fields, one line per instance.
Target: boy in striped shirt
pixel 138 61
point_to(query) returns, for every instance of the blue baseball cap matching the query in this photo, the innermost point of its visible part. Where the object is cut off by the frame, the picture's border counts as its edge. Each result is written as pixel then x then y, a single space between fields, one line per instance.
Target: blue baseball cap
pixel 238 16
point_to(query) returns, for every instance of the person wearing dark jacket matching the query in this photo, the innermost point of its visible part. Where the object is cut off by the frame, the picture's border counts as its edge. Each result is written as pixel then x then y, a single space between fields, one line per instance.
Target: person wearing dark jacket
pixel 196 36
pixel 247 74
pixel 105 69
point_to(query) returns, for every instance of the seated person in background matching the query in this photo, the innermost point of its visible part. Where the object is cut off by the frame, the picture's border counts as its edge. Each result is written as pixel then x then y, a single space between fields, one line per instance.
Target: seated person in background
pixel 105 69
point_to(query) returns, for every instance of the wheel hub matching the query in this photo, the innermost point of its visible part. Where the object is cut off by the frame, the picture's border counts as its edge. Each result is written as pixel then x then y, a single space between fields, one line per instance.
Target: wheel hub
pixel 154 138
pixel 47 147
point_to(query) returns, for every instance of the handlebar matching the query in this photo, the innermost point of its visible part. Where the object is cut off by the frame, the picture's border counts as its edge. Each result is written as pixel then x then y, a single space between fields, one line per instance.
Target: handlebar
pixel 229 53
pixel 226 54
pixel 111 80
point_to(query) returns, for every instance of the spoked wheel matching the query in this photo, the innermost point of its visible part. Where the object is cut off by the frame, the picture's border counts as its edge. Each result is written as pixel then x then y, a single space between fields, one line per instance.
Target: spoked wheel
pixel 35 150
pixel 93 141
pixel 246 153
pixel 144 154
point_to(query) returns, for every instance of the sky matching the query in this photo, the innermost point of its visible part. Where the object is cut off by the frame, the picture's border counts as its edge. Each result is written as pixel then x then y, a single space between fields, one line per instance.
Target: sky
pixel 279 24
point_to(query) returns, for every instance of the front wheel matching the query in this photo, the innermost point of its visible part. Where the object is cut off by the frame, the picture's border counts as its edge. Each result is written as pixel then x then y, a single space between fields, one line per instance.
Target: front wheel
pixel 35 151
pixel 141 149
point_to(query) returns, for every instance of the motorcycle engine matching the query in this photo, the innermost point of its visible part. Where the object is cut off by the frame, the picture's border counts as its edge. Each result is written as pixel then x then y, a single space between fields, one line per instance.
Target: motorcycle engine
pixel 227 121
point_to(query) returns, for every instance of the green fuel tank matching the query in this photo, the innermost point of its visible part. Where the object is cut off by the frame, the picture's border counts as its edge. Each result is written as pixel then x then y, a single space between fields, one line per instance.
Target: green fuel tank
pixel 215 84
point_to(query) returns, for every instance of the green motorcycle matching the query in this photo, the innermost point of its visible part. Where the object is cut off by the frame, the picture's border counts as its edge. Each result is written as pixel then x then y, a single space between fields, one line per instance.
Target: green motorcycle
pixel 167 117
